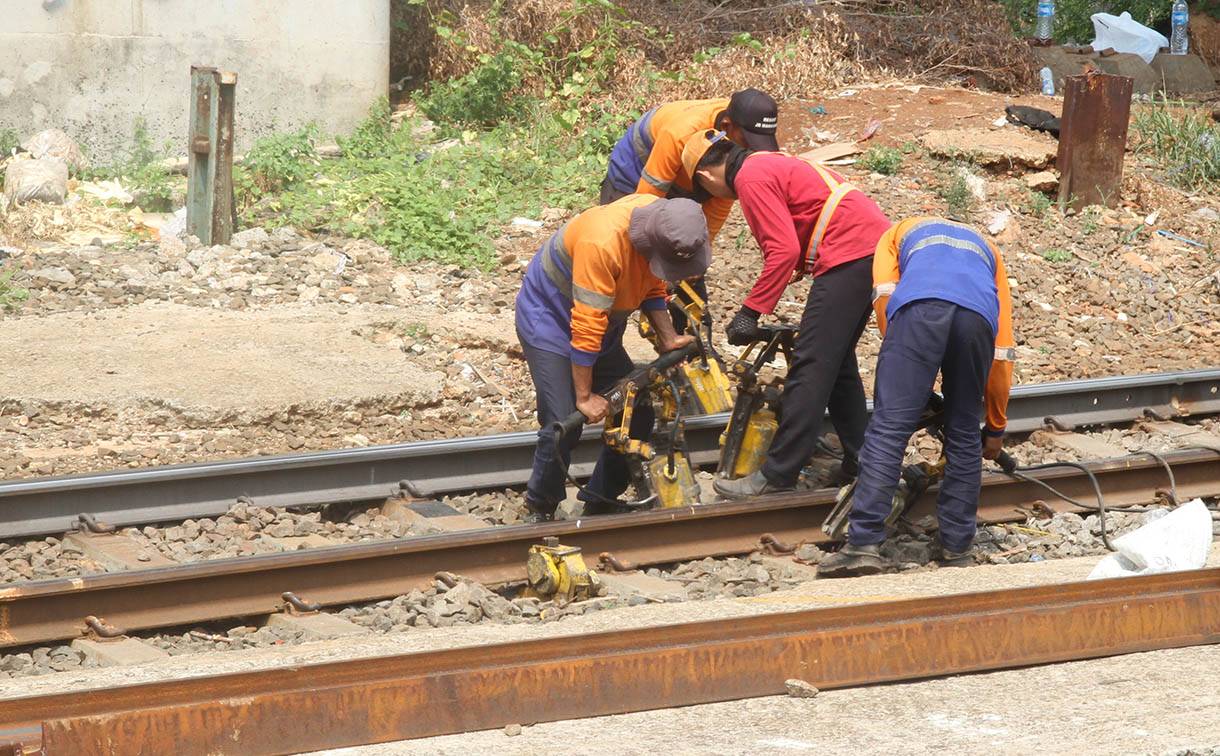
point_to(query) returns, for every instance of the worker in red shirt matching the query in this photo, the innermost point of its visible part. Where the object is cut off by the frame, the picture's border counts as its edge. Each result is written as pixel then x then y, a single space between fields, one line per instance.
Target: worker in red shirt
pixel 808 221
pixel 571 312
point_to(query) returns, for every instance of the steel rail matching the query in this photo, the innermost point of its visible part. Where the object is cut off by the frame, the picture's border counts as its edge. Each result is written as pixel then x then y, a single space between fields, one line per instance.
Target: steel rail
pixel 55 609
pixel 177 492
pixel 346 703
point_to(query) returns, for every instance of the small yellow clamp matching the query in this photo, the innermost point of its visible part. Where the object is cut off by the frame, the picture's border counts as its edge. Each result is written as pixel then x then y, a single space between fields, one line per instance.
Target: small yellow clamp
pixel 559 573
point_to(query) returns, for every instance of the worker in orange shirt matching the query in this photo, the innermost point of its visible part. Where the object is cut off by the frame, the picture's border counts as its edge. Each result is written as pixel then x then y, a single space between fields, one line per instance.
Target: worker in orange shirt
pixel 571 312
pixel 942 302
pixel 648 158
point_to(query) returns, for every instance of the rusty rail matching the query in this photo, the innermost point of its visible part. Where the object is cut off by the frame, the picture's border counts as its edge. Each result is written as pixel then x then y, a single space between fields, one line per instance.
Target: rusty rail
pixel 331 705
pixel 48 610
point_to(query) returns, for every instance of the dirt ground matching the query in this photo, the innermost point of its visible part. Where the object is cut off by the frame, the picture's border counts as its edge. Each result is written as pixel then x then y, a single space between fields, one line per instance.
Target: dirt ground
pixel 156 354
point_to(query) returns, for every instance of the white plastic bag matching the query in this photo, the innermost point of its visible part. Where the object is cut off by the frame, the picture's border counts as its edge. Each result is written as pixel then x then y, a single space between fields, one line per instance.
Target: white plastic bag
pixel 1181 540
pixel 44 180
pixel 1126 35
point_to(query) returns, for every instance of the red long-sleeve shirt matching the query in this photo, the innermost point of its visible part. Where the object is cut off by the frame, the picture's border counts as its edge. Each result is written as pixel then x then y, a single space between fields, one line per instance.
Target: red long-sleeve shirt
pixel 782 196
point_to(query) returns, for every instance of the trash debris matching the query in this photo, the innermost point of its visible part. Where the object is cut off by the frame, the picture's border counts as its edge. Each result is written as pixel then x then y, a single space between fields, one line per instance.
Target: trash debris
pixel 819 110
pixel 1126 35
pixel 997 221
pixel 1035 118
pixel 176 225
pixel 1179 540
pixel 55 144
pixel 870 129
pixel 519 222
pixel 831 152
pixel 106 191
pixel 44 180
pixel 848 93
pixel 1163 232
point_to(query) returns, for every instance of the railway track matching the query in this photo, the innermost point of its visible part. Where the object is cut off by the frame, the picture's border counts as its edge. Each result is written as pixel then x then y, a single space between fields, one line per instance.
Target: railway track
pixel 336 704
pixel 161 494
pixel 47 610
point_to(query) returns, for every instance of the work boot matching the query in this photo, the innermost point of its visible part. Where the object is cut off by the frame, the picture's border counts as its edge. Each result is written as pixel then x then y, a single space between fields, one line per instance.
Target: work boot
pixel 956 558
pixel 842 473
pixel 851 561
pixel 537 512
pixel 754 484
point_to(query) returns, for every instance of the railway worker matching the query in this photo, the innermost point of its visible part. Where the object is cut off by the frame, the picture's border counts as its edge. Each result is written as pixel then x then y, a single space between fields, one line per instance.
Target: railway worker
pixel 808 221
pixel 571 313
pixel 648 158
pixel 942 290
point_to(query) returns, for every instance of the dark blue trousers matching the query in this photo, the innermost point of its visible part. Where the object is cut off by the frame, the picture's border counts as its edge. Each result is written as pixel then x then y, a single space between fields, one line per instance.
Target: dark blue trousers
pixel 926 337
pixel 556 398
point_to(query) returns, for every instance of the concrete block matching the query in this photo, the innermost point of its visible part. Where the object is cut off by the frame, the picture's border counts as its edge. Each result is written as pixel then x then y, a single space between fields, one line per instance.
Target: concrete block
pixel 626 584
pixel 426 515
pixel 1145 80
pixel 116 552
pixel 316 626
pixel 119 652
pixel 1183 74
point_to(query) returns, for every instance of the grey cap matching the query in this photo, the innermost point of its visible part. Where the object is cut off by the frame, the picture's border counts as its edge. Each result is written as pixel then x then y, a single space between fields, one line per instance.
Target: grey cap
pixel 672 234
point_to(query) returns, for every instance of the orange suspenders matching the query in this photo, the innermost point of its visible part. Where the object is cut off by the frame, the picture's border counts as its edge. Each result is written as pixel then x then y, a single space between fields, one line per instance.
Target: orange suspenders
pixel 837 191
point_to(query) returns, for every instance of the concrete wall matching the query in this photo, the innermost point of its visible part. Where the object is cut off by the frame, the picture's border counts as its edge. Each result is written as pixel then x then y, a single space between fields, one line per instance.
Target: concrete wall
pixel 92 67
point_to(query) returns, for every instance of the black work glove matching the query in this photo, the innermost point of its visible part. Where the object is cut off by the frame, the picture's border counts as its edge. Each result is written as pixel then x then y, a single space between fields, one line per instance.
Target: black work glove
pixel 744 328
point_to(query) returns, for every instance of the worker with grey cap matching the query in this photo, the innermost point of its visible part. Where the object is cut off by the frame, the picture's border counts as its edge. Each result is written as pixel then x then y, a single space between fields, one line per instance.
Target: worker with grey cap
pixel 571 312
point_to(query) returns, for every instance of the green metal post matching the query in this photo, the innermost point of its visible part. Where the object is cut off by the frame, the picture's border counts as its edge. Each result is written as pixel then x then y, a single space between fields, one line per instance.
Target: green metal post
pixel 209 188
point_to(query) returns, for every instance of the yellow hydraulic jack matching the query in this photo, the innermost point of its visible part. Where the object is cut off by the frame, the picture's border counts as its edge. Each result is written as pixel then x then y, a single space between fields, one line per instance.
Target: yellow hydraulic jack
pixel 702 384
pixel 752 425
pixel 559 573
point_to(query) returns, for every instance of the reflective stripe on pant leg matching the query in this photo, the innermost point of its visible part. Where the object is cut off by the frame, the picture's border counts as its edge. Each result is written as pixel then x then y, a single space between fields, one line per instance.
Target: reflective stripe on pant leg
pixel 906 371
pixel 964 371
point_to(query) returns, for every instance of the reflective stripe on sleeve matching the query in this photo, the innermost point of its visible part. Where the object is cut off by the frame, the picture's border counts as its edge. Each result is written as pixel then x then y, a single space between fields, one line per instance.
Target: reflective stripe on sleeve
pixel 1006 354
pixel 883 290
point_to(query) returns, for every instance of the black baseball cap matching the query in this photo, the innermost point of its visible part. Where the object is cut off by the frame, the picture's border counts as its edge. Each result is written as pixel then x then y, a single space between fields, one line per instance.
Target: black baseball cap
pixel 756 113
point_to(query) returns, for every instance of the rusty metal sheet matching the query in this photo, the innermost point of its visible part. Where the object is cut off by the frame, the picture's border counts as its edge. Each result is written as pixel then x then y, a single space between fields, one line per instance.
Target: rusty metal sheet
pixel 47 610
pixel 1093 139
pixel 338 704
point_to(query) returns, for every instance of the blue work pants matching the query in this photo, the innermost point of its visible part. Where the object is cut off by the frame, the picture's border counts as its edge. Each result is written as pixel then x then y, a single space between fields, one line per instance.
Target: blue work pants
pixel 925 337
pixel 556 399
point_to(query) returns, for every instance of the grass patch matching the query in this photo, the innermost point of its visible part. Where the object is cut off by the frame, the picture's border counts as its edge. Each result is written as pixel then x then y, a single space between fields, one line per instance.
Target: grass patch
pixel 9 141
pixel 1181 140
pixel 1057 255
pixel 884 160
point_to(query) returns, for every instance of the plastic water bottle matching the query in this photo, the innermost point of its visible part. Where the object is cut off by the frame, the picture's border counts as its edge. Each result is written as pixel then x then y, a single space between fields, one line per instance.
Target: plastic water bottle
pixel 1044 30
pixel 1179 18
pixel 1048 81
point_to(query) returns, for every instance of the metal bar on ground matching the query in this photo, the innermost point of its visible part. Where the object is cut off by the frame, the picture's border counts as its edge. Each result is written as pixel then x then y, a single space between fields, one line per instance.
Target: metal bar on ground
pixel 177 492
pixel 347 703
pixel 47 610
pixel 1093 139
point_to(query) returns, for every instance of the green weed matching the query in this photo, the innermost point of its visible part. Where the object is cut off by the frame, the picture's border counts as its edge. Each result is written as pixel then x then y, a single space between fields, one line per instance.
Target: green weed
pixel 12 296
pixel 1181 140
pixel 957 195
pixel 9 141
pixel 1057 256
pixel 881 160
pixel 418 331
pixel 277 162
pixel 1037 203
pixel 142 173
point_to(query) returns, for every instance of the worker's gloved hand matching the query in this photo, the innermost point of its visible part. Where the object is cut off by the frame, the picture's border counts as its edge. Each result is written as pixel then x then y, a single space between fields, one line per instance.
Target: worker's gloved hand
pixel 744 328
